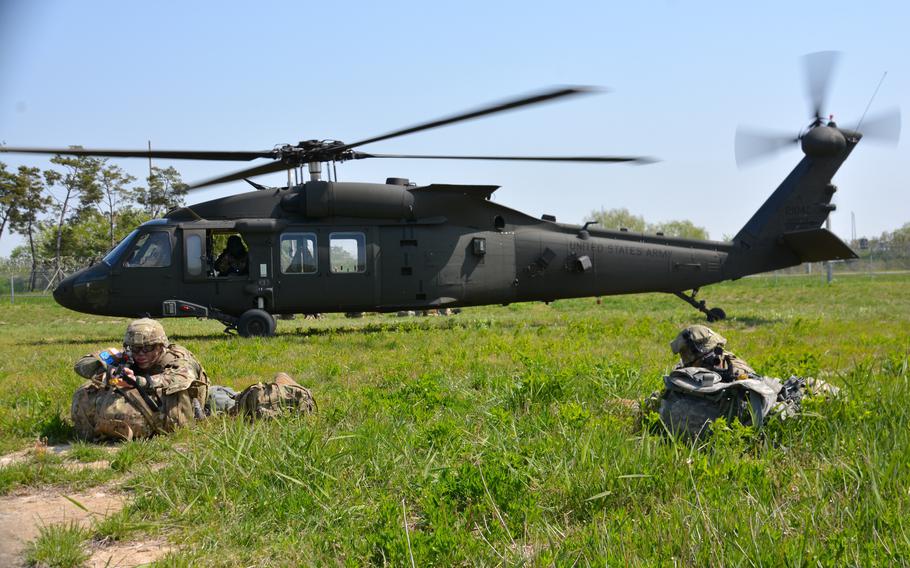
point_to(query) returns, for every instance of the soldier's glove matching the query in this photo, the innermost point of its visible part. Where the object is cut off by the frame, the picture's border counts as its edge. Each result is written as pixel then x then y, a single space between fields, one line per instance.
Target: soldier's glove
pixel 147 382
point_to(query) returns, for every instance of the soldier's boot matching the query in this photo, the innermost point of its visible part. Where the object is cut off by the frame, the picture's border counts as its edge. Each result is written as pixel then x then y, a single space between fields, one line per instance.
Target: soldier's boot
pixel 114 429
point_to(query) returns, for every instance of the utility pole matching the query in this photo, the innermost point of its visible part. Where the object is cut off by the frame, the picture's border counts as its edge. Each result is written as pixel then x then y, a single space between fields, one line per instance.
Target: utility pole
pixel 853 228
pixel 150 161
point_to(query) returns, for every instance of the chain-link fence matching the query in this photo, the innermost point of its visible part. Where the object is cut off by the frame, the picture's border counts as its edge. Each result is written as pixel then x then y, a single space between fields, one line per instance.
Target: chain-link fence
pixel 20 277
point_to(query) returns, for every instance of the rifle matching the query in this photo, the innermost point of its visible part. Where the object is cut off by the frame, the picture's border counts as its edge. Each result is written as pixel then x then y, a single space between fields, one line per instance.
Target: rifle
pixel 115 362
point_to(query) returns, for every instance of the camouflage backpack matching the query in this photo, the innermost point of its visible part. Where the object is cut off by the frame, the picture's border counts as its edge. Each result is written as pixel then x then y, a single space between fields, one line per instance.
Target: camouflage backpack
pixel 268 400
pixel 694 397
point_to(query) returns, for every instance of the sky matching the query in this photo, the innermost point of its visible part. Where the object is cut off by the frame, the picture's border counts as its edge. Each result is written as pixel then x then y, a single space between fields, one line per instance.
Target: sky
pixel 681 76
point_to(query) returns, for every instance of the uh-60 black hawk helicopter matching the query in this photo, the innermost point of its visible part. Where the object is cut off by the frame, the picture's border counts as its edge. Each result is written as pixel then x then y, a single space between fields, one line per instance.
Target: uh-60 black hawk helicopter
pixel 329 246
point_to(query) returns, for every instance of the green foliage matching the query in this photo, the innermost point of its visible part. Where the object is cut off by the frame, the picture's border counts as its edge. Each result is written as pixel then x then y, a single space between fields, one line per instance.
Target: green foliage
pixel 8 196
pixel 165 191
pixel 59 545
pixel 81 208
pixel 87 235
pixel 113 182
pixel 494 438
pixel 616 219
pixel 684 228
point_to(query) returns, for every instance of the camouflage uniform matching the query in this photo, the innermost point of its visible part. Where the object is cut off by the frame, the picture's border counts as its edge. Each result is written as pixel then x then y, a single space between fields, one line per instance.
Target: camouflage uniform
pixel 175 383
pixel 699 347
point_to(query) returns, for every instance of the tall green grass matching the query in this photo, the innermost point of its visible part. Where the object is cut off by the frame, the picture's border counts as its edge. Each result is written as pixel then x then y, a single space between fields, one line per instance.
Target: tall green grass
pixel 490 437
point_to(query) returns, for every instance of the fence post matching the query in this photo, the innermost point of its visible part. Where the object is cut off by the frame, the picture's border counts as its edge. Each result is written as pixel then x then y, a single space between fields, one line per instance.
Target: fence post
pixel 12 288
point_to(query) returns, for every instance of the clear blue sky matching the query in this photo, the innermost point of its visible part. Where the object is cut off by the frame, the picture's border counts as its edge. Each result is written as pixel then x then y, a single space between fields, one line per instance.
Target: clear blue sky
pixel 682 74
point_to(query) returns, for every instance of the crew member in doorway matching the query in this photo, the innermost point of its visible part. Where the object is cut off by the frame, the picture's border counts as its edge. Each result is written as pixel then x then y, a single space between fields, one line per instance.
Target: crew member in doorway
pixel 235 258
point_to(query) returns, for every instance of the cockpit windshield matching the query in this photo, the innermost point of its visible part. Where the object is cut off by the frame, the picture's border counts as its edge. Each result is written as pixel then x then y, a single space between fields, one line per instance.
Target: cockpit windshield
pixel 112 257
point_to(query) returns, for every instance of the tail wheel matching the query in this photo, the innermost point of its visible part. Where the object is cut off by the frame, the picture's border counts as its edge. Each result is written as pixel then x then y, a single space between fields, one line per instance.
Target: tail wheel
pixel 716 314
pixel 256 323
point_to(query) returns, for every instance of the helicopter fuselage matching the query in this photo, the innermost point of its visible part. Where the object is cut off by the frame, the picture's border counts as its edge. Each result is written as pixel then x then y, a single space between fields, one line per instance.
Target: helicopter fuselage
pixel 327 247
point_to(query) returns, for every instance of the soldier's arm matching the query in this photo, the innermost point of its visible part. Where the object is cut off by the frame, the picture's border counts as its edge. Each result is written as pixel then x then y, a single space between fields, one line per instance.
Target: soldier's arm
pixel 222 262
pixel 177 376
pixel 88 366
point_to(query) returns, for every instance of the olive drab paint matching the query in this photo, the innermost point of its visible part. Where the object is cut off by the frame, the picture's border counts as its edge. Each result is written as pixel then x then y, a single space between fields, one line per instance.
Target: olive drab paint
pixel 329 246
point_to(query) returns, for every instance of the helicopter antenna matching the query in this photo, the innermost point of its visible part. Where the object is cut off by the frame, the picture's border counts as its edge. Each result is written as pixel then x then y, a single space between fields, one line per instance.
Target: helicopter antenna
pixel 863 117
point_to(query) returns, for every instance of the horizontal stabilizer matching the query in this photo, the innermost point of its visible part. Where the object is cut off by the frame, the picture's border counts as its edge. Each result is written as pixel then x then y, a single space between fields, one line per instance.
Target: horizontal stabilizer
pixel 814 245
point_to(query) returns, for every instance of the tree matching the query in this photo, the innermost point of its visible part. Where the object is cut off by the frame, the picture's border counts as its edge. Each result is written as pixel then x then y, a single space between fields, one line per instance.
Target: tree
pixel 622 218
pixel 24 217
pixel 683 228
pixel 86 235
pixel 80 191
pixel 8 197
pixel 618 219
pixel 113 183
pixel 165 191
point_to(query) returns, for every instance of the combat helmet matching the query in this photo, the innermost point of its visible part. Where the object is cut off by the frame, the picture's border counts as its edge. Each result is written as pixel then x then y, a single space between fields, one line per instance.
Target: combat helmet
pixel 145 331
pixel 696 341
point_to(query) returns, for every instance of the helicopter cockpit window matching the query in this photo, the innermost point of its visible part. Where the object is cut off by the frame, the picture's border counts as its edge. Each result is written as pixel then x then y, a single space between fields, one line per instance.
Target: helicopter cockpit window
pixel 347 252
pixel 114 255
pixel 298 253
pixel 152 250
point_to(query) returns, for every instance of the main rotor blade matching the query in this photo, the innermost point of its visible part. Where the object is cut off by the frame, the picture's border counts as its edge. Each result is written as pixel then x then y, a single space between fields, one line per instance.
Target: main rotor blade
pixel 884 127
pixel 751 145
pixel 483 111
pixel 593 159
pixel 239 156
pixel 819 67
pixel 249 172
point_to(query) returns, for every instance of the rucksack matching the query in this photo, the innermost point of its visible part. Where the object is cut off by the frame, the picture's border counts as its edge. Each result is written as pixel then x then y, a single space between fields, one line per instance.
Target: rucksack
pixel 694 397
pixel 268 400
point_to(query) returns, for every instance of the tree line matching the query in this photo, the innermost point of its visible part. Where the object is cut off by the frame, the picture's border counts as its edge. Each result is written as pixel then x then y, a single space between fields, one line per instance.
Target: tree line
pixel 80 207
pixel 623 219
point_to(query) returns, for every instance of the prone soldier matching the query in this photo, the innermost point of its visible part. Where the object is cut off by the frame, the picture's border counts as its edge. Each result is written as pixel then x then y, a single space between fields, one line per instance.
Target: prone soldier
pixel 711 382
pixel 152 387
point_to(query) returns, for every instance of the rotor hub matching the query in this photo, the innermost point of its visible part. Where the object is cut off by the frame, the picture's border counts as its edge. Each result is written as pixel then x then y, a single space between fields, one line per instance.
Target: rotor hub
pixel 823 141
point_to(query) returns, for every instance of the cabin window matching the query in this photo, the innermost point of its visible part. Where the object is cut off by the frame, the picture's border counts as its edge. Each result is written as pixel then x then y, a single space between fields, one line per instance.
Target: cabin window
pixel 298 253
pixel 194 255
pixel 347 252
pixel 152 250
pixel 233 254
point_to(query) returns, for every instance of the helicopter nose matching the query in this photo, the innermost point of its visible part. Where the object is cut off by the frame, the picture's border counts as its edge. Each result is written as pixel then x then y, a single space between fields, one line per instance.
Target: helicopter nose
pixel 85 291
pixel 64 293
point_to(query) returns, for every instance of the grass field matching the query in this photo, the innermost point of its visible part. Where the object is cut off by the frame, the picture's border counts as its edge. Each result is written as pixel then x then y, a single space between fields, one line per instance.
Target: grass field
pixel 492 437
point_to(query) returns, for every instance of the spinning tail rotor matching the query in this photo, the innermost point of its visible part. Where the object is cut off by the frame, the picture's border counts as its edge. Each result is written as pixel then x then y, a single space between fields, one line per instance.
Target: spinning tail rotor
pixel 755 144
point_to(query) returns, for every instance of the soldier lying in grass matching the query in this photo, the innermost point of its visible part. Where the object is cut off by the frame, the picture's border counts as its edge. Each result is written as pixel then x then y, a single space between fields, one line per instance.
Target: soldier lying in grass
pixel 711 382
pixel 154 386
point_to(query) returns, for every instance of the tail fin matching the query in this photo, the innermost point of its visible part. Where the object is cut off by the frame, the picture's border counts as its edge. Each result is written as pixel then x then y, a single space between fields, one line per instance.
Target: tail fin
pixel 786 229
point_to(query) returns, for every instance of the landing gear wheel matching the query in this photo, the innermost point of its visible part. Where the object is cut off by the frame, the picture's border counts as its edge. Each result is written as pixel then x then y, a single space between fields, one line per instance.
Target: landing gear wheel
pixel 713 314
pixel 256 323
pixel 716 314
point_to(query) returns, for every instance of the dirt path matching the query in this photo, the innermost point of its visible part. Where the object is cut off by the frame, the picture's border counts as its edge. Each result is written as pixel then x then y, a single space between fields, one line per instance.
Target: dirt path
pixel 128 554
pixel 22 514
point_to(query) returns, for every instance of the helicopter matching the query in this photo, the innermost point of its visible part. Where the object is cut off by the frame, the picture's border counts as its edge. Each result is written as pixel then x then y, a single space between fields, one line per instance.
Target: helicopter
pixel 327 246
